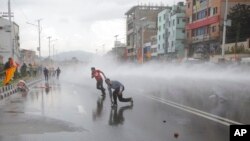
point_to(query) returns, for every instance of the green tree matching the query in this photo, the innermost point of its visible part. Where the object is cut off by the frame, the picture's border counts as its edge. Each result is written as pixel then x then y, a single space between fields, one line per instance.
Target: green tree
pixel 240 28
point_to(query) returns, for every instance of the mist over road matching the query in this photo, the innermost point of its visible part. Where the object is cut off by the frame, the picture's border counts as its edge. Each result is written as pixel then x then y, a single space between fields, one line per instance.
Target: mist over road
pixel 170 103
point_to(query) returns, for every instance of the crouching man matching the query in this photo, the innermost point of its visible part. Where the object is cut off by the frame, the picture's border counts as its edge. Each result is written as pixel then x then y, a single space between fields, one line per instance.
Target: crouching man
pixel 118 89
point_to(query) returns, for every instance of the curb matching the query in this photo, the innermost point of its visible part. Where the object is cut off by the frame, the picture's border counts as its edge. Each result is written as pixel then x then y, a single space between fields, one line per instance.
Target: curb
pixel 9 90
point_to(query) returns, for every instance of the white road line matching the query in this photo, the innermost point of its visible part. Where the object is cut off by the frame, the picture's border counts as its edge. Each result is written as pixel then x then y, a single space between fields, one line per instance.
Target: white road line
pixel 197 112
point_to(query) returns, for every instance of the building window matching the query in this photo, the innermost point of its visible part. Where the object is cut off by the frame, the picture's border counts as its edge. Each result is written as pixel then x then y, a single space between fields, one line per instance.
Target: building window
pixel 213 28
pixel 164 16
pixel 1 27
pixel 159 46
pixel 208 11
pixel 163 36
pixel 159 37
pixel 194 2
pixel 183 31
pixel 163 45
pixel 159 28
pixel 194 17
pixel 215 10
pixel 202 14
pixel 178 21
pixel 193 33
pixel 160 19
pixel 189 5
pixel 173 22
pixel 164 27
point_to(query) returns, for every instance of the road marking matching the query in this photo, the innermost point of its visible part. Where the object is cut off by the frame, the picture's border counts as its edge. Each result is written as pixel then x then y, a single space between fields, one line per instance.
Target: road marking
pixel 194 111
pixel 81 110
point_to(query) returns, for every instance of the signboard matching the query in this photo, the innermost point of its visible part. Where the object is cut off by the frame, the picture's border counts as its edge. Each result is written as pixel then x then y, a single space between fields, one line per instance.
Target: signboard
pixel 204 22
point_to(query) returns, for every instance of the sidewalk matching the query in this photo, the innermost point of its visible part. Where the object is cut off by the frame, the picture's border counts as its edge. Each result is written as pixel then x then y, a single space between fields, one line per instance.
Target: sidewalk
pixel 12 89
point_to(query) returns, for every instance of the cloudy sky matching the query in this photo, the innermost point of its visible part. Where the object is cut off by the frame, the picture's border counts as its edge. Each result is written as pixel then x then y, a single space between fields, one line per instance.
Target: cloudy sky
pixel 87 25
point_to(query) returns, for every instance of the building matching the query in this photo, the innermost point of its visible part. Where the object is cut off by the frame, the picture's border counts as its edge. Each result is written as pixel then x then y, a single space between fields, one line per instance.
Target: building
pixel 119 51
pixel 176 32
pixel 141 25
pixel 162 31
pixel 9 43
pixel 28 57
pixel 204 28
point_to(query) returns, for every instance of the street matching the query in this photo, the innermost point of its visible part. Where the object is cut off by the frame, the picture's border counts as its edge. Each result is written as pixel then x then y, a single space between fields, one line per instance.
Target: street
pixel 72 109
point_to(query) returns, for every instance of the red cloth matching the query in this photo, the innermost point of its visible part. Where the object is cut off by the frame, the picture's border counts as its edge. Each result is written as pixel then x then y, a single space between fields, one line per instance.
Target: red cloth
pixel 97 74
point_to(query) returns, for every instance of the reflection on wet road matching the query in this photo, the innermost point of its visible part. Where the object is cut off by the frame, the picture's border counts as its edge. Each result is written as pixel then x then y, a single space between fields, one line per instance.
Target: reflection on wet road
pixel 67 111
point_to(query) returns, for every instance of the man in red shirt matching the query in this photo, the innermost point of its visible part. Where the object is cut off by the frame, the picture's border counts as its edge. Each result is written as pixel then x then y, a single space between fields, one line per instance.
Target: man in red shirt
pixel 99 81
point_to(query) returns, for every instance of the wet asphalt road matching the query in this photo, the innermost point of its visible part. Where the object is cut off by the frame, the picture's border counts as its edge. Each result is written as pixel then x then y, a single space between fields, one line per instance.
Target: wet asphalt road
pixel 68 111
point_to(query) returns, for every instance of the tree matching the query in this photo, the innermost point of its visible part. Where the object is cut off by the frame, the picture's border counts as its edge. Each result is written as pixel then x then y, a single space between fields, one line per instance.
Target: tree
pixel 240 28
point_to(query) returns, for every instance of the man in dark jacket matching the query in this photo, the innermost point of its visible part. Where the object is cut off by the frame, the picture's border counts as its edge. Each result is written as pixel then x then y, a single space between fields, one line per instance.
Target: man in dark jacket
pixel 7 65
pixel 118 89
pixel 58 71
pixel 46 74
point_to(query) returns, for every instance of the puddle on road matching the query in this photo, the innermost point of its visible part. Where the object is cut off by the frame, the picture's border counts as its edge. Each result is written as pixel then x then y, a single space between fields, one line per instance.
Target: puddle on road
pixel 30 124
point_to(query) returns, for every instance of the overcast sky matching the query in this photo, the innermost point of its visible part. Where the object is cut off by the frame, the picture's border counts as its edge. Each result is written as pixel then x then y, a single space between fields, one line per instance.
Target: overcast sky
pixel 85 25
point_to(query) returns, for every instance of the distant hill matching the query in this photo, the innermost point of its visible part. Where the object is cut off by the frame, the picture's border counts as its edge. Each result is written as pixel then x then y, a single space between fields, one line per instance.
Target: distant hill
pixel 80 55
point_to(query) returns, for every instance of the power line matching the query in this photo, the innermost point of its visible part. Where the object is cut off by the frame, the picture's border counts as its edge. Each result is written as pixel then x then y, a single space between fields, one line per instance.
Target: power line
pixel 21 11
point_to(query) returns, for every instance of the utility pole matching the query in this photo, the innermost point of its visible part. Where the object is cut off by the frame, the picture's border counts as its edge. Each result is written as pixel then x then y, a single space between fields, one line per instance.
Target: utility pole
pixel 142 46
pixel 39 37
pixel 49 45
pixel 53 51
pixel 116 45
pixel 224 31
pixel 11 41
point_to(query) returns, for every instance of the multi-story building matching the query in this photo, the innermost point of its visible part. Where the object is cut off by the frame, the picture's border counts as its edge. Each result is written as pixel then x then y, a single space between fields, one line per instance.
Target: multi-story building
pixel 162 31
pixel 204 27
pixel 9 43
pixel 176 32
pixel 119 50
pixel 141 25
